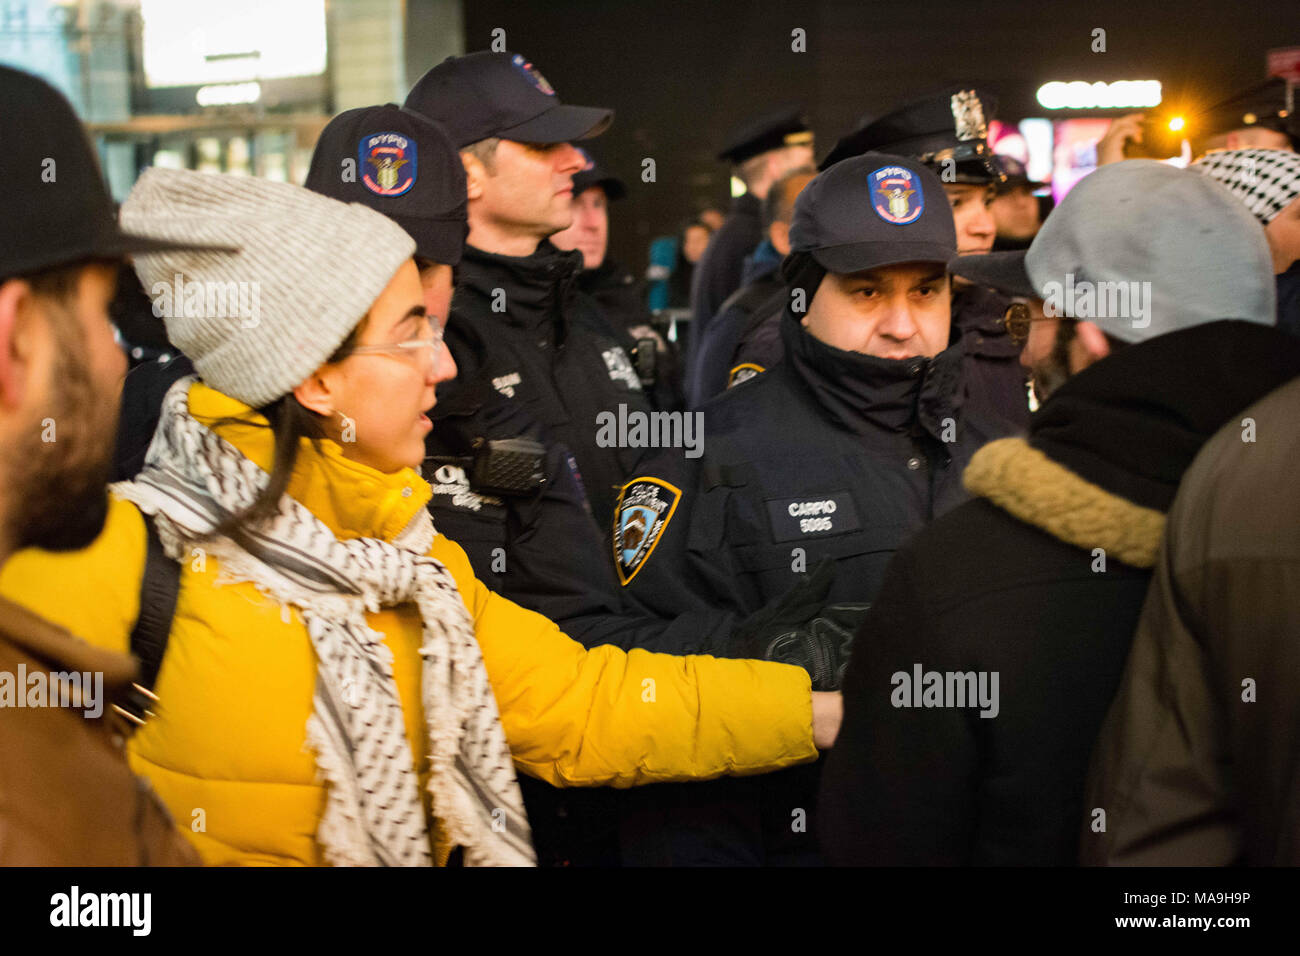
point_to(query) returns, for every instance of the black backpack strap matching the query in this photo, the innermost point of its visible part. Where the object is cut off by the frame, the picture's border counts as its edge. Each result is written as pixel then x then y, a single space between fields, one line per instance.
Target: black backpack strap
pixel 158 590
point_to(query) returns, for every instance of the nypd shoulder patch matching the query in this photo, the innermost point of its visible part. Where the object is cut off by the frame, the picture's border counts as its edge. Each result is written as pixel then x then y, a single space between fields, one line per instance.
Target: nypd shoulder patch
pixel 743 373
pixel 645 507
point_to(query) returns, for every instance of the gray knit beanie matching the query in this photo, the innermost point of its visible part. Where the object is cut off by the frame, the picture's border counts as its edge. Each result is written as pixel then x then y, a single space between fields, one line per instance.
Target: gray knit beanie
pixel 302 272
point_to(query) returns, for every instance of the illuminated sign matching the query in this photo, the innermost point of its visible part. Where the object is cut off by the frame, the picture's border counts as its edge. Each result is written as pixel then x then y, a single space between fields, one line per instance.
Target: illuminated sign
pixel 200 43
pixel 1080 95
pixel 228 94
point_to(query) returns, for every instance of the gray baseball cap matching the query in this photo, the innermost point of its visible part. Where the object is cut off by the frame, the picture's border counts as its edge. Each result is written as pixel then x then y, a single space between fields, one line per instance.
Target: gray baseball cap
pixel 874 210
pixel 1141 248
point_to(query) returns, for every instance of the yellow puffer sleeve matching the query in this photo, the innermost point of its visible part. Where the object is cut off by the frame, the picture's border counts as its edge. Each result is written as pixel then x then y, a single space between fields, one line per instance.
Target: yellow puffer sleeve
pixel 93 592
pixel 579 717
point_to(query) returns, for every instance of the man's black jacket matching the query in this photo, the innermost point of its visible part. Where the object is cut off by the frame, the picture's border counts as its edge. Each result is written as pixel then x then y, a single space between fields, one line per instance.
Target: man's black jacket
pixel 748 322
pixel 718 273
pixel 1039 580
pixel 549 348
pixel 623 301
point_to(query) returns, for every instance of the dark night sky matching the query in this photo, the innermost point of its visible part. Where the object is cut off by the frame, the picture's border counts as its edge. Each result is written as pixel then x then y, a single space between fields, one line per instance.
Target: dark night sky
pixel 679 74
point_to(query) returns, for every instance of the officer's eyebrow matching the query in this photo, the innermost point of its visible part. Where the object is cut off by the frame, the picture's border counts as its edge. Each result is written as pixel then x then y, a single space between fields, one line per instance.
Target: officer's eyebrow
pixel 934 277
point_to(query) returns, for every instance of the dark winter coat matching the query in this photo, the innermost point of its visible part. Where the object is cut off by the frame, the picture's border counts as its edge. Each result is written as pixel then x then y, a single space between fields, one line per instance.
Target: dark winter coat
pixel 1040 581
pixel 623 301
pixel 718 272
pixel 996 382
pixel 749 322
pixel 1199 761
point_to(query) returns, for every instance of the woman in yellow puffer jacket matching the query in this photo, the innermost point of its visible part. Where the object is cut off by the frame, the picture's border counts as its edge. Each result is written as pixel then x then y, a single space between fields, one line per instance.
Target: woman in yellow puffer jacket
pixel 322 698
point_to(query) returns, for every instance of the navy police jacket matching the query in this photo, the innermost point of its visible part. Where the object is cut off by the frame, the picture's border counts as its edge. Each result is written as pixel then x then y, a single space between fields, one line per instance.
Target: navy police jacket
pixel 550 349
pixel 542 548
pixel 720 270
pixel 996 382
pixel 718 363
pixel 829 454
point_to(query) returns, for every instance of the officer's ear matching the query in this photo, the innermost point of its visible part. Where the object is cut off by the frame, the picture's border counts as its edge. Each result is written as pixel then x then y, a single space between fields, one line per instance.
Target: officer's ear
pixel 779 235
pixel 475 173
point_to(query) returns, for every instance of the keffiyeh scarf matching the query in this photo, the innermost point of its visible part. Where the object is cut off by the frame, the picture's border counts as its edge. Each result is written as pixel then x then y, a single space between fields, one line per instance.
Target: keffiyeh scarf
pixel 192 480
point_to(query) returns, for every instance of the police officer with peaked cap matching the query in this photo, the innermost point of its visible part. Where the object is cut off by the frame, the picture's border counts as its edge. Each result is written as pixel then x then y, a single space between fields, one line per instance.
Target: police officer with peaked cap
pixel 840 453
pixel 948 132
pixel 762 150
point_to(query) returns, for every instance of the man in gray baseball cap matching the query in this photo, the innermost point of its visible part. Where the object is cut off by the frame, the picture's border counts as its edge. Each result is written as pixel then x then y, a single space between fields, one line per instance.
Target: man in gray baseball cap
pixel 1136 250
pixel 1155 289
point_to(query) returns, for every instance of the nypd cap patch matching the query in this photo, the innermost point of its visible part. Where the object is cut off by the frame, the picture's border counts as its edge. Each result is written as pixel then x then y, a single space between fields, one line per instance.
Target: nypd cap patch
pixel 534 75
pixel 387 162
pixel 896 195
pixel 645 507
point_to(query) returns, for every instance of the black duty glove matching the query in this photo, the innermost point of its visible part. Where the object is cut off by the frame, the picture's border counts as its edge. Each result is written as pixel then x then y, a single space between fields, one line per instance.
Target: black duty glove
pixel 794 608
pixel 799 628
pixel 822 645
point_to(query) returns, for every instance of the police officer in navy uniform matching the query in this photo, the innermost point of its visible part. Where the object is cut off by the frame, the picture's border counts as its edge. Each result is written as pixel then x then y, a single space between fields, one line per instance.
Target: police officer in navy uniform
pixel 761 151
pixel 949 133
pixel 548 346
pixel 840 452
pixel 614 288
pixel 744 337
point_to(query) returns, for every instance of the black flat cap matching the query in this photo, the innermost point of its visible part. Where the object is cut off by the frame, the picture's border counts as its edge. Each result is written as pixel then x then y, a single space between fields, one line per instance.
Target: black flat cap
pixel 786 126
pixel 1015 174
pixel 951 126
pixel 500 94
pixel 402 165
pixel 57 210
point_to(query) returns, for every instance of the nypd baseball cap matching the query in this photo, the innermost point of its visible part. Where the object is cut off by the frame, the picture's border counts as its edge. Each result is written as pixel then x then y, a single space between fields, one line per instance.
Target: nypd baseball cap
pixel 57 210
pixel 486 94
pixel 874 210
pixel 402 165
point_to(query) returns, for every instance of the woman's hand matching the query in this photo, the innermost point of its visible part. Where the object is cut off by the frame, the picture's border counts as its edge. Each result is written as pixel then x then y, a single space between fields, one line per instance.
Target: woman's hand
pixel 828 711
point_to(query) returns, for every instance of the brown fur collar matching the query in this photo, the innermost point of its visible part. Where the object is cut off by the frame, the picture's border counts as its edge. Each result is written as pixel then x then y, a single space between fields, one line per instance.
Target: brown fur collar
pixel 1021 480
